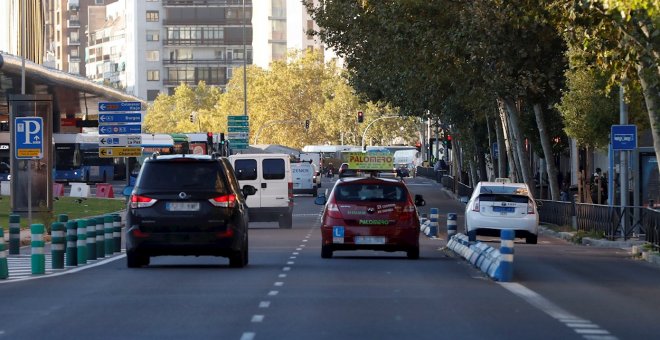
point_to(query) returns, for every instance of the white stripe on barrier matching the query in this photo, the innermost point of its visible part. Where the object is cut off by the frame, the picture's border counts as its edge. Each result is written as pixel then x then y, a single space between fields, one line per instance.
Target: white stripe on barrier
pixel 70 244
pixel 3 254
pixel 506 257
pixel 81 243
pixel 37 237
pixel 507 243
pixel 57 247
pixel 38 251
pixel 57 233
pixel 116 234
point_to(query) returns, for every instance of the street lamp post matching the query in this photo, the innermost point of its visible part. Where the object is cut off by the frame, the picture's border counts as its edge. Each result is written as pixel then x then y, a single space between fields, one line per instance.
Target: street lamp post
pixel 364 133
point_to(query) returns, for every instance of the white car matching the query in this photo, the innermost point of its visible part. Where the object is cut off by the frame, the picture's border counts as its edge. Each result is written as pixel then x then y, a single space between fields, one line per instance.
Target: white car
pixel 496 206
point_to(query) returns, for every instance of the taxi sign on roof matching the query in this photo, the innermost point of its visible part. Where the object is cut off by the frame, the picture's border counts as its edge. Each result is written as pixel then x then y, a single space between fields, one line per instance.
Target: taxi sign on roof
pixel 378 161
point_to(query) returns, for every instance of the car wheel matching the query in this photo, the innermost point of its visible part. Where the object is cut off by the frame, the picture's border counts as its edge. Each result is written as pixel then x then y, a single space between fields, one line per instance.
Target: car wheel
pixel 286 221
pixel 413 253
pixel 531 239
pixel 136 260
pixel 472 235
pixel 326 252
pixel 238 259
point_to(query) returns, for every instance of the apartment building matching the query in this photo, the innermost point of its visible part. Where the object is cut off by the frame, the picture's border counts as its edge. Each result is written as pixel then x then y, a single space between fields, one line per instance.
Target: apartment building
pixel 11 19
pixel 105 56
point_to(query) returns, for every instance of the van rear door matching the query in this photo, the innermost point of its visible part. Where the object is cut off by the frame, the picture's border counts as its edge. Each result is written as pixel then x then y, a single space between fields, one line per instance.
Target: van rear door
pixel 276 183
pixel 247 173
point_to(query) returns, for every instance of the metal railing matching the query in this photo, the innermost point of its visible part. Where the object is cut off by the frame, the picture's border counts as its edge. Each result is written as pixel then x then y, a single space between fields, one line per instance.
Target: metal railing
pixel 651 223
pixel 556 212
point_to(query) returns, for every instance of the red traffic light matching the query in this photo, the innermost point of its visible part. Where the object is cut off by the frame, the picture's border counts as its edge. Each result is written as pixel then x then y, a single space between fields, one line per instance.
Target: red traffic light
pixel 360 117
pixel 448 137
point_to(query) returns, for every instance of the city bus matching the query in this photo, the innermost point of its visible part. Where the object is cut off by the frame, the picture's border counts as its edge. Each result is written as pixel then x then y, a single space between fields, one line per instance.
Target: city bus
pixel 162 144
pixel 77 159
pixel 181 143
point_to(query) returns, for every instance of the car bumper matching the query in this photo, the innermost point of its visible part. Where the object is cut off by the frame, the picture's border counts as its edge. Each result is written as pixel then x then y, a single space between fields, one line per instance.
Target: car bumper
pixel 396 238
pixel 485 225
pixel 183 243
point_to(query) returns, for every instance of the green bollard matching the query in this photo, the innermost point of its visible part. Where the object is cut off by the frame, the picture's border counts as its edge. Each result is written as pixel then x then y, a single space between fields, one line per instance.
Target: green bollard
pixel 71 248
pixel 57 243
pixel 91 239
pixel 63 218
pixel 14 234
pixel 109 241
pixel 116 232
pixel 4 267
pixel 81 242
pixel 38 258
pixel 100 238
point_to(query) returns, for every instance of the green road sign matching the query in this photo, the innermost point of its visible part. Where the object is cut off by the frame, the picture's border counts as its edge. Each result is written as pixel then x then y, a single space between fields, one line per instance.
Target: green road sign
pixel 241 118
pixel 238 128
pixel 238 144
pixel 238 123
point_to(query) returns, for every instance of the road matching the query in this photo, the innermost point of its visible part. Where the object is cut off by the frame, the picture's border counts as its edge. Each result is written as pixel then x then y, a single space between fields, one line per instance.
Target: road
pixel 560 291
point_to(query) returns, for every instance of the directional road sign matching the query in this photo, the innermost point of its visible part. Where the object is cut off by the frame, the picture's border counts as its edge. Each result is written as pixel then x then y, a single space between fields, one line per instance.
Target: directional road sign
pixel 238 135
pixel 120 129
pixel 120 106
pixel 238 128
pixel 120 152
pixel 238 144
pixel 624 137
pixel 29 135
pixel 120 140
pixel 120 117
pixel 242 118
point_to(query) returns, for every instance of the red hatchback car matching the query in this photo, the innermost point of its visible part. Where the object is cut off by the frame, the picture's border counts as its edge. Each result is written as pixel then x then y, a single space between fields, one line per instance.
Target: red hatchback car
pixel 370 213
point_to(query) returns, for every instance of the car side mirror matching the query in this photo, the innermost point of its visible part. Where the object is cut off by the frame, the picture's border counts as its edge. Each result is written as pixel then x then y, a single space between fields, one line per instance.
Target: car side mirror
pixel 127 190
pixel 320 199
pixel 249 190
pixel 419 201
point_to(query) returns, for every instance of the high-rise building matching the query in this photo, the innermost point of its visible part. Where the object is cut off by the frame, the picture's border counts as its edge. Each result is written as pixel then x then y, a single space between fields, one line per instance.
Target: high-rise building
pixel 105 55
pixel 11 17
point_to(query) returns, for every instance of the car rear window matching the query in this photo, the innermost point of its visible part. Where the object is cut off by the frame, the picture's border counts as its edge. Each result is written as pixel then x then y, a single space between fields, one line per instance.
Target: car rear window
pixel 181 175
pixel 274 168
pixel 245 169
pixel 501 189
pixel 503 198
pixel 356 192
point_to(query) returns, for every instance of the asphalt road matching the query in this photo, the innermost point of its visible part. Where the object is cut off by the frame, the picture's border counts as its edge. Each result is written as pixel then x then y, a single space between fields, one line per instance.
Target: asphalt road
pixel 561 291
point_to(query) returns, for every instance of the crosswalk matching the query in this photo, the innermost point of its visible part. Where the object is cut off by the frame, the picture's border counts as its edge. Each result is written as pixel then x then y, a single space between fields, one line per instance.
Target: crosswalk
pixel 20 266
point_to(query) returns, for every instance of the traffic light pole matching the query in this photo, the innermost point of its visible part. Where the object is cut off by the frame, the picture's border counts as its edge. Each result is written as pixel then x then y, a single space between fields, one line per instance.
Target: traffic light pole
pixel 364 133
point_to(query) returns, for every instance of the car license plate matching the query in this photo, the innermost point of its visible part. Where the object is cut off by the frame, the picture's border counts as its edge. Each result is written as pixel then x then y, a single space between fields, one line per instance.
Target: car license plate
pixel 182 206
pixel 369 239
pixel 504 209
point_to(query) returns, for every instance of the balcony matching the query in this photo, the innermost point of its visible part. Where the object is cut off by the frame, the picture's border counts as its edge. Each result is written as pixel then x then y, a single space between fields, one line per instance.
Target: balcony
pixel 191 82
pixel 73 59
pixel 73 5
pixel 205 62
pixel 215 21
pixel 214 3
pixel 73 23
pixel 72 42
pixel 193 42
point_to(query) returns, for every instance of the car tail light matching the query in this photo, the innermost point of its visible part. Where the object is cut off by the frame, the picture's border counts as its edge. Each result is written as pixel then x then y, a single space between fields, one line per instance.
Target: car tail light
pixel 407 212
pixel 333 211
pixel 530 207
pixel 227 233
pixel 138 201
pixel 225 201
pixel 475 205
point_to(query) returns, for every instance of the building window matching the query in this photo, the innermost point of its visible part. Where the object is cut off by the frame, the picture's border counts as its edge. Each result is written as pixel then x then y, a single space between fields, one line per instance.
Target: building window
pixel 74 68
pixel 310 29
pixel 152 16
pixel 74 53
pixel 153 55
pixel 153 35
pixel 98 2
pixel 152 95
pixel 153 75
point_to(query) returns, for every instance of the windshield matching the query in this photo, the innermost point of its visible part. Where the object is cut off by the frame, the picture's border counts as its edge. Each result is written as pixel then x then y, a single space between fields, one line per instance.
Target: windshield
pixel 356 192
pixel 66 157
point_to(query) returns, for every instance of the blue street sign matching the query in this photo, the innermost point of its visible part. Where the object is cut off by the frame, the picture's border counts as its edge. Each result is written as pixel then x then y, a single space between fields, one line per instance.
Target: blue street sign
pixel 120 129
pixel 623 137
pixel 120 117
pixel 120 106
pixel 29 135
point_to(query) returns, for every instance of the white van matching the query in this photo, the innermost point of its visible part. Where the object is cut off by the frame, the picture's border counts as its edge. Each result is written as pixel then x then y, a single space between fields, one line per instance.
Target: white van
pixel 315 159
pixel 304 175
pixel 271 175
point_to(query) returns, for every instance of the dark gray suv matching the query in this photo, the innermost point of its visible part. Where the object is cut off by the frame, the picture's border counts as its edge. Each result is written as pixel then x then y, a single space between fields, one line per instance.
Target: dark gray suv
pixel 187 205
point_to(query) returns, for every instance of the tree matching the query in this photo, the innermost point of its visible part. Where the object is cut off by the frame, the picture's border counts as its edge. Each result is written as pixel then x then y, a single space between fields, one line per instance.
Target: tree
pixel 171 114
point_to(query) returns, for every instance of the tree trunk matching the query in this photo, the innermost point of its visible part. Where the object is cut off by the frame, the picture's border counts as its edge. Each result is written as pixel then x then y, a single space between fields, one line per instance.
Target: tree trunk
pixel 651 91
pixel 547 152
pixel 508 147
pixel 473 175
pixel 518 141
pixel 501 149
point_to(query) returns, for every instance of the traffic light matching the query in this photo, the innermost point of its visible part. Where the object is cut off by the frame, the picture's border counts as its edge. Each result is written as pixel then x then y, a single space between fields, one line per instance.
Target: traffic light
pixel 307 124
pixel 418 146
pixel 448 141
pixel 209 138
pixel 222 138
pixel 192 117
pixel 360 116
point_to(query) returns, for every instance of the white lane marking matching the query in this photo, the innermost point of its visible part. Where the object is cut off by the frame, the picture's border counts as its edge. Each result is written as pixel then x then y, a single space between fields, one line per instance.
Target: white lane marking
pixel 248 336
pixel 257 318
pixel 582 325
pixel 286 269
pixel 279 284
pixel 298 249
pixel 292 257
pixel 305 240
pixel 281 275
pixel 264 304
pixel 290 262
pixel 295 253
pixel 554 311
pixel 273 293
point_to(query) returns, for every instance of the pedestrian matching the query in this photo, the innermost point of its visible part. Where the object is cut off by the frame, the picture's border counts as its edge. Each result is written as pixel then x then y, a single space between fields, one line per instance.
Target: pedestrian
pixel 598 187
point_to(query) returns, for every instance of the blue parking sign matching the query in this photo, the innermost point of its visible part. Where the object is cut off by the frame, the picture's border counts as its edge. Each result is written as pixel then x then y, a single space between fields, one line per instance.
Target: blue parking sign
pixel 28 137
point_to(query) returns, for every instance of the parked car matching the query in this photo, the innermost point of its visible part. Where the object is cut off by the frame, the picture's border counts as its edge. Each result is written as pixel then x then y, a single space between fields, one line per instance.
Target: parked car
pixel 187 205
pixel 497 206
pixel 344 171
pixel 370 213
pixel 271 174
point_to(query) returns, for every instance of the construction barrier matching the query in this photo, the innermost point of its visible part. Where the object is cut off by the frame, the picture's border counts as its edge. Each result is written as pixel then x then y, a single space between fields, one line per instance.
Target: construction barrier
pixel 116 232
pixel 57 245
pixel 58 190
pixel 71 248
pixel 4 267
pixel 505 270
pixel 433 228
pixel 79 190
pixel 452 228
pixel 91 239
pixel 104 190
pixel 38 257
pixel 498 264
pixel 109 240
pixel 81 242
pixel 14 234
pixel 100 238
